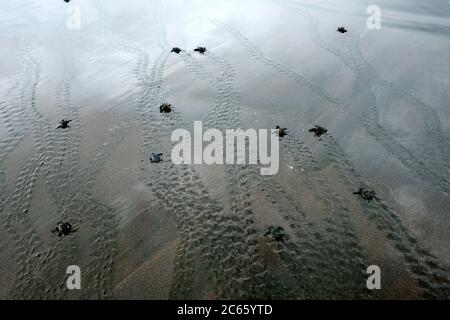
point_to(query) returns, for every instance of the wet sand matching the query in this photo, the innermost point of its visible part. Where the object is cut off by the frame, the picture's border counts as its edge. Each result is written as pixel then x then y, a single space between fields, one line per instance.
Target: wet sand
pixel 165 231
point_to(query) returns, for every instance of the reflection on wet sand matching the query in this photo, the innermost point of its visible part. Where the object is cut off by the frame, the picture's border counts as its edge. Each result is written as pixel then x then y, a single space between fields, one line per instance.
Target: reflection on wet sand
pixel 364 165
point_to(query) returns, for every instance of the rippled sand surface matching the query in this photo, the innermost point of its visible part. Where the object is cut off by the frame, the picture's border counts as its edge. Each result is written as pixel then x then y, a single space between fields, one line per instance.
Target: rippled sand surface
pixel 168 231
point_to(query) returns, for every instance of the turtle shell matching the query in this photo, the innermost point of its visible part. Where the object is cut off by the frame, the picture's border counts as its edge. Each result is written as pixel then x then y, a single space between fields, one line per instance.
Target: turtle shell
pixel 367 194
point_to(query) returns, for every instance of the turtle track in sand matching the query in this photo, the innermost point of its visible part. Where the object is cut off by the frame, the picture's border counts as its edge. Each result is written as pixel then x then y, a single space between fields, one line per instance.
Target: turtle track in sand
pixel 431 277
pixel 317 259
pixel 276 191
pixel 215 244
pixel 178 181
pixel 242 267
pixel 31 281
pixel 424 284
pixel 206 229
pixel 365 76
pixel 28 246
pixel 101 264
pixel 55 152
pixel 225 114
pixel 70 187
pixel 30 249
pixel 324 262
pixel 221 241
pixel 426 269
pixel 58 172
pixel 258 55
pixel 175 184
pixel 11 114
pixel 178 188
pixel 338 228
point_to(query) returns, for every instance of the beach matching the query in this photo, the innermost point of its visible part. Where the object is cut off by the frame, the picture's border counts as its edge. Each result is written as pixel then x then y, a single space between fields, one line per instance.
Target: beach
pixel 198 231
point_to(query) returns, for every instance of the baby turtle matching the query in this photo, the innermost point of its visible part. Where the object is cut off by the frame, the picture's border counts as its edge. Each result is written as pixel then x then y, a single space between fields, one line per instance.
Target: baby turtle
pixel 318 130
pixel 156 157
pixel 366 194
pixel 176 50
pixel 165 108
pixel 63 229
pixel 63 124
pixel 201 50
pixel 66 0
pixel 341 30
pixel 276 233
pixel 281 131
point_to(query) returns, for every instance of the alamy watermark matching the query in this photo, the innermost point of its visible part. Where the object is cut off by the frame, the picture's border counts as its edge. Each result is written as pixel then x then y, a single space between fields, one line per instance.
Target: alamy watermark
pixel 236 146
pixel 374 20
pixel 374 280
pixel 73 282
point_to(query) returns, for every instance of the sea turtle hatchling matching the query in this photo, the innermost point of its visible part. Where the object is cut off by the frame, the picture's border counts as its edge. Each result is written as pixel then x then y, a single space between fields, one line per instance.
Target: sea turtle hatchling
pixel 63 229
pixel 318 130
pixel 156 157
pixel 275 232
pixel 201 50
pixel 281 132
pixel 366 194
pixel 63 124
pixel 341 30
pixel 165 108
pixel 176 50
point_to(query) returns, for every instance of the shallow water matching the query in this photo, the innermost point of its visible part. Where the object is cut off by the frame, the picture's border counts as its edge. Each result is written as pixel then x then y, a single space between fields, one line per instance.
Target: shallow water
pixel 168 231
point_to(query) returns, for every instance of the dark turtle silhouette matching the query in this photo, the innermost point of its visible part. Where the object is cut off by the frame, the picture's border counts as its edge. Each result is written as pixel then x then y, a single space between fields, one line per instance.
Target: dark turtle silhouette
pixel 341 30
pixel 165 108
pixel 275 232
pixel 66 0
pixel 318 130
pixel 201 50
pixel 63 229
pixel 281 131
pixel 155 157
pixel 366 194
pixel 176 50
pixel 63 124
